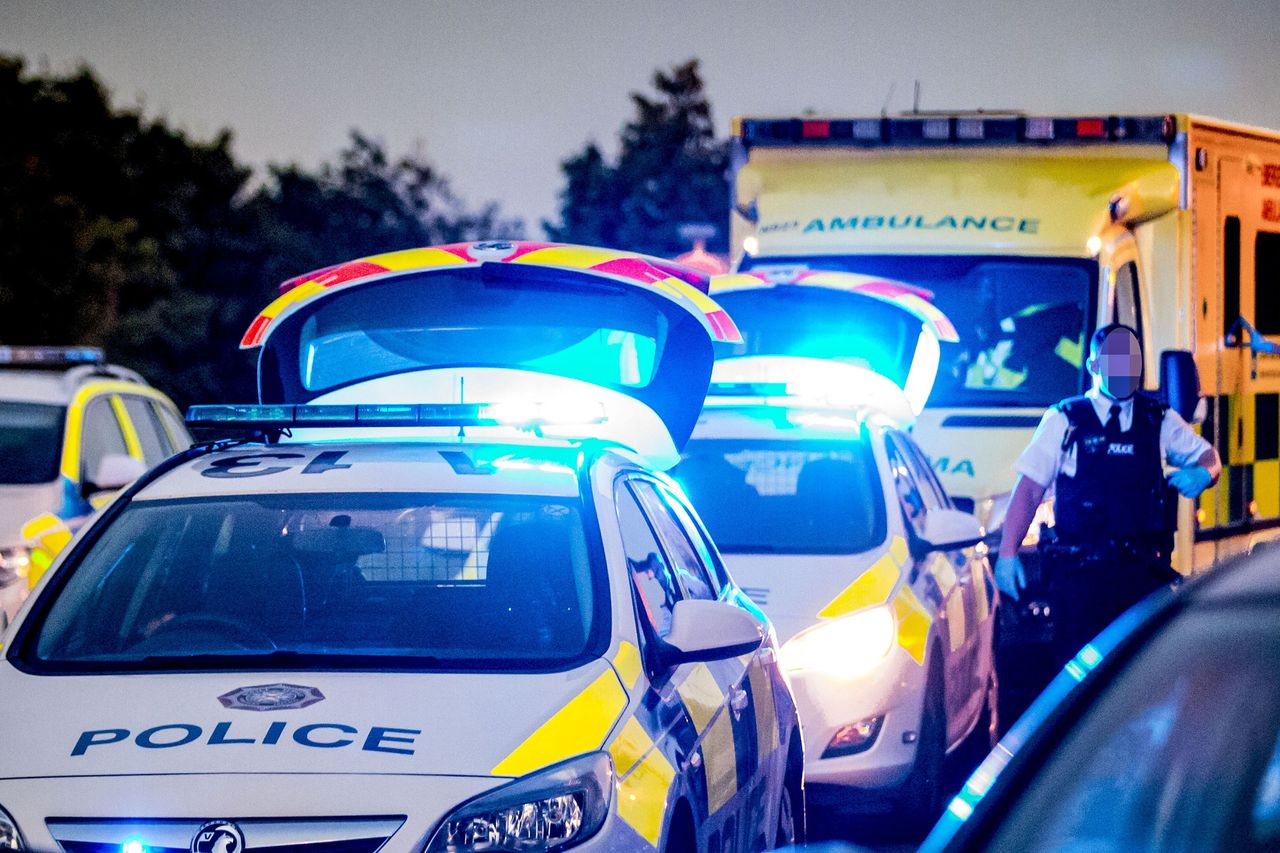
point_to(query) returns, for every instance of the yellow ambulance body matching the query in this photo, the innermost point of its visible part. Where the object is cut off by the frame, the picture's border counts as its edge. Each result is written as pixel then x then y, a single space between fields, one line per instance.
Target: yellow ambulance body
pixel 1051 225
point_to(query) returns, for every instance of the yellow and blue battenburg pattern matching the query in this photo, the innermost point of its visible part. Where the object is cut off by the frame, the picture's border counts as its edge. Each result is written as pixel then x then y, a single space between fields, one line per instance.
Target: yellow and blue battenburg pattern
pixel 665 277
pixel 680 736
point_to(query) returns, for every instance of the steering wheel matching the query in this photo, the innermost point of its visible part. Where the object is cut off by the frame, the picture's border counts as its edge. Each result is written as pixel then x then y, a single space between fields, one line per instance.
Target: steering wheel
pixel 224 627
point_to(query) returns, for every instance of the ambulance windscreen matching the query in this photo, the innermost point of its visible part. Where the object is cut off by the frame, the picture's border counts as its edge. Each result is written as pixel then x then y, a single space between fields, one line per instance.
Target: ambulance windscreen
pixel 1022 322
pixel 30 442
pixel 785 497
pixel 340 580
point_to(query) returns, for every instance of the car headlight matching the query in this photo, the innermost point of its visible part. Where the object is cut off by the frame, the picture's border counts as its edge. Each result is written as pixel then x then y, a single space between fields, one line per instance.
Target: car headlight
pixel 845 647
pixel 10 838
pixel 554 809
pixel 14 563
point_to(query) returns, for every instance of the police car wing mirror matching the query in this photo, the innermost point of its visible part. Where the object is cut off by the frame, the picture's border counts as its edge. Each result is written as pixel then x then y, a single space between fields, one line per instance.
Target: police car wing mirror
pixel 949 529
pixel 115 471
pixel 1180 383
pixel 708 631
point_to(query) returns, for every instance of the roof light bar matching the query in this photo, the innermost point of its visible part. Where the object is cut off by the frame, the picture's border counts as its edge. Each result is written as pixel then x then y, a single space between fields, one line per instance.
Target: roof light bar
pixel 968 129
pixel 50 356
pixel 254 417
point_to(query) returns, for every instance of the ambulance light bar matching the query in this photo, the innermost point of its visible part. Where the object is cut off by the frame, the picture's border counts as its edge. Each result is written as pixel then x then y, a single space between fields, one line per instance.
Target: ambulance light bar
pixel 973 129
pixel 259 417
pixel 50 356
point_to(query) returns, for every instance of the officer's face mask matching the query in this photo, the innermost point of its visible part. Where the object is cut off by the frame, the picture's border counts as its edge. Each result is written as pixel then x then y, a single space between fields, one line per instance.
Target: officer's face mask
pixel 1118 364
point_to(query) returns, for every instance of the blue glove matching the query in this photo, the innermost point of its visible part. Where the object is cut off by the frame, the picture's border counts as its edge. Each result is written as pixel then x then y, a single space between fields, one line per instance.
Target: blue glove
pixel 1011 578
pixel 1190 481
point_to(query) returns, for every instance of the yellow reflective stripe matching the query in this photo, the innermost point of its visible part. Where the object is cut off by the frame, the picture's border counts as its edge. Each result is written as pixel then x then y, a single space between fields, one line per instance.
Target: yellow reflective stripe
pixel 130 434
pixel 898 550
pixel 576 257
pixel 983 607
pixel 766 715
pixel 580 726
pixel 944 573
pixel 71 440
pixel 702 696
pixel 408 259
pixel 48 535
pixel 645 778
pixel 627 663
pixel 913 623
pixel 870 588
pixel 1072 352
pixel 1266 487
pixel 955 620
pixel 735 281
pixel 704 701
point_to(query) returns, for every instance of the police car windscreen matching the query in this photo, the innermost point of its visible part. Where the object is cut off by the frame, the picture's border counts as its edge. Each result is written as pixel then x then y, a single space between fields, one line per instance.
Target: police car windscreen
pixel 335 580
pixel 1022 322
pixel 30 442
pixel 786 497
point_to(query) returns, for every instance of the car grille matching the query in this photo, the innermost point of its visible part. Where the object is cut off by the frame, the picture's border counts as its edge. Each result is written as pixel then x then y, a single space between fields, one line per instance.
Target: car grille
pixel 275 835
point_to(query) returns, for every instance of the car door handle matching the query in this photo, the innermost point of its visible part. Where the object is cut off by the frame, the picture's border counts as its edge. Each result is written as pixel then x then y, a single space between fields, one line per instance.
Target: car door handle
pixel 738 701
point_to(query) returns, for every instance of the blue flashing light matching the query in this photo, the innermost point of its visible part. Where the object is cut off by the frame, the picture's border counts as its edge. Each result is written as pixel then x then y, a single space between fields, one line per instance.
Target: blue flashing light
pixel 50 356
pixel 277 417
pixel 133 845
pixel 1089 656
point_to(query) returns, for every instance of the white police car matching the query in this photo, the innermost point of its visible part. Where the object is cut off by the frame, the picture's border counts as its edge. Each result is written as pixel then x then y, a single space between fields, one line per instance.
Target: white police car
pixel 468 618
pixel 833 520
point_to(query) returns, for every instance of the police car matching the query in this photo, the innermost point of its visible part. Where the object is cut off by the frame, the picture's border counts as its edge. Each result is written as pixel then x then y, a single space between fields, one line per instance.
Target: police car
pixel 72 430
pixel 835 523
pixel 472 615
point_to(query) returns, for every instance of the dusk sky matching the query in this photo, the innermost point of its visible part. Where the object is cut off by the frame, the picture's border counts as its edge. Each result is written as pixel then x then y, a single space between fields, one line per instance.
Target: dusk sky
pixel 496 94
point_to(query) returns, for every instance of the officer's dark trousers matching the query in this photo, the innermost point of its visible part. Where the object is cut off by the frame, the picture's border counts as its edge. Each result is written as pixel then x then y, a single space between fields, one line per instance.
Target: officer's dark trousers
pixel 1091 585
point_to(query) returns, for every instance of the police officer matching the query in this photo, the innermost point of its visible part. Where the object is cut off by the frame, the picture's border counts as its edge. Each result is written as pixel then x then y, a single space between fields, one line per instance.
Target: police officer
pixel 1102 456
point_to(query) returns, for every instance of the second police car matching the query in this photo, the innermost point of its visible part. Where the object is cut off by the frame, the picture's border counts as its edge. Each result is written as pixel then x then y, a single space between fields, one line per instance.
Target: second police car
pixel 436 596
pixel 834 521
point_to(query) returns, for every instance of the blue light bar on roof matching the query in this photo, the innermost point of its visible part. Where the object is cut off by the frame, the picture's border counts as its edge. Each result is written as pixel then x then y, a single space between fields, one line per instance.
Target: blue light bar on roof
pixel 50 356
pixel 254 417
pixel 969 129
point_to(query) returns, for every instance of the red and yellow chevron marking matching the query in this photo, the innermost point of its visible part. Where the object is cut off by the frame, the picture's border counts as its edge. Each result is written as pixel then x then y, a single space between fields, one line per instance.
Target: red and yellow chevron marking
pixel 607 261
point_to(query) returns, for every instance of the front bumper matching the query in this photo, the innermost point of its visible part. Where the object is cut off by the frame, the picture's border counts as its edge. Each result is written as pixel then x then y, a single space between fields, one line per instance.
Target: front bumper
pixel 290 807
pixel 895 689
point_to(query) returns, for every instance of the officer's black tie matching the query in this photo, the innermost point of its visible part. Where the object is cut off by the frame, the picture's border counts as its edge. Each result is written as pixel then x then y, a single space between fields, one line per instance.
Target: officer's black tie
pixel 1112 426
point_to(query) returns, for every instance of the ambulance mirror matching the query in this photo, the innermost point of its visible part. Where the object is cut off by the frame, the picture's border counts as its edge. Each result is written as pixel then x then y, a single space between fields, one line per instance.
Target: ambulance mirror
pixel 115 471
pixel 1180 383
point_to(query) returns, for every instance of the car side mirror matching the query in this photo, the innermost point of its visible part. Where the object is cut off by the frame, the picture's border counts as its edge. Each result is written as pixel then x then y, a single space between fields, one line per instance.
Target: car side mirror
pixel 1180 383
pixel 708 631
pixel 950 529
pixel 115 471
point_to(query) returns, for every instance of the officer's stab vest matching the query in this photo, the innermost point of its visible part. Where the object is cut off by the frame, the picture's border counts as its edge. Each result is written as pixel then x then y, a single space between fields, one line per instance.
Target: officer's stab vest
pixel 1118 491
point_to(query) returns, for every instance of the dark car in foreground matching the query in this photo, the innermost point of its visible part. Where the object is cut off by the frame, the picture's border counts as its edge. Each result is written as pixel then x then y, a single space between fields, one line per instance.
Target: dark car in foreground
pixel 1161 735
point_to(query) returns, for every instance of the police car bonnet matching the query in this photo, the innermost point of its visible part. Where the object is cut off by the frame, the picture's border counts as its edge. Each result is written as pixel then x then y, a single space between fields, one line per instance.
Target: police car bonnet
pixel 639 351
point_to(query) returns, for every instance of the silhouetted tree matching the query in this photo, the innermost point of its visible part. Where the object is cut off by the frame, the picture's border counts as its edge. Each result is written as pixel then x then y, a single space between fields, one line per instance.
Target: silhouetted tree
pixel 670 170
pixel 126 233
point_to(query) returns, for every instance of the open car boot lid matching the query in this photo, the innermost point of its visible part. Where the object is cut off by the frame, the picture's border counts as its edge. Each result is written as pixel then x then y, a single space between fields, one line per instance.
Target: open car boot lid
pixel 567 328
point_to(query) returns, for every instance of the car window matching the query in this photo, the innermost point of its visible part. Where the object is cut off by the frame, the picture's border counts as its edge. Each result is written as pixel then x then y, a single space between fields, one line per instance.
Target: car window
pixel 655 584
pixel 100 437
pixel 760 496
pixel 1170 757
pixel 706 549
pixel 914 508
pixel 684 558
pixel 377 579
pixel 179 438
pixel 934 494
pixel 30 442
pixel 155 444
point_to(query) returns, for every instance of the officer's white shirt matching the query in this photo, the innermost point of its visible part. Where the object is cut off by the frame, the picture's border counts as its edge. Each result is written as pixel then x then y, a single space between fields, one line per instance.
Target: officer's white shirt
pixel 1044 458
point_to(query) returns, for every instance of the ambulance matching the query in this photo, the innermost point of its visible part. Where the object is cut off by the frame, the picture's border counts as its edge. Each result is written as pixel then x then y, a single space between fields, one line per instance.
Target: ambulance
pixel 432 592
pixel 1029 232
